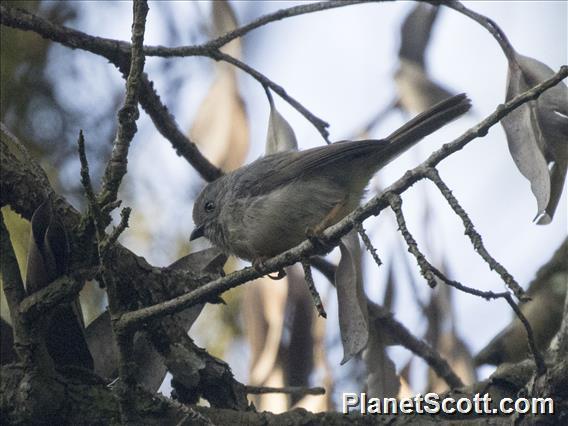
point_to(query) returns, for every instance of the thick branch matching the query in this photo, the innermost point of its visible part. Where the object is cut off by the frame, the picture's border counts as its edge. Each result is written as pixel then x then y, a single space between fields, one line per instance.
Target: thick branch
pixel 63 289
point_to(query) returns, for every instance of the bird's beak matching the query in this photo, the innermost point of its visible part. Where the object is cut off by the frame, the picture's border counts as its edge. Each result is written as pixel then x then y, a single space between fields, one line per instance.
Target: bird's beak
pixel 196 233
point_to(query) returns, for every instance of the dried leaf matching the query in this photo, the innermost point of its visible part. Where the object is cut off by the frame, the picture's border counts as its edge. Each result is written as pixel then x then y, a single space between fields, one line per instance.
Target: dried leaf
pixel 150 365
pixel 452 348
pixel 416 90
pixel 280 135
pixel 48 257
pixel 220 128
pixel 264 305
pixel 382 380
pixel 224 20
pixel 390 289
pixel 150 368
pixel 537 133
pixel 351 301
pixel 415 32
pixel 49 251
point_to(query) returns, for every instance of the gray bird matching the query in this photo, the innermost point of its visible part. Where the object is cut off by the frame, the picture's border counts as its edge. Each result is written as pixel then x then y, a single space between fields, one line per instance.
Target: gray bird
pixel 269 206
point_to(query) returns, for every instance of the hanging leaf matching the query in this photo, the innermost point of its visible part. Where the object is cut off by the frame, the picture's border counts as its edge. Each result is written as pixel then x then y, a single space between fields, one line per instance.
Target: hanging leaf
pixel 224 20
pixel 264 307
pixel 351 301
pixel 150 367
pixel 537 133
pixel 280 135
pixel 48 258
pixel 416 90
pixel 382 380
pixel 220 128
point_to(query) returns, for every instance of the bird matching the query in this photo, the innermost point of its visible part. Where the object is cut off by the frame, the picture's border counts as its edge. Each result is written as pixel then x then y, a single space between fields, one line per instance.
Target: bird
pixel 274 203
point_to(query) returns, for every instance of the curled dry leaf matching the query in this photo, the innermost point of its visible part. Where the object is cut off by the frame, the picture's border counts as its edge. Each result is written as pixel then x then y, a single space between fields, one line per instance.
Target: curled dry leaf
pixel 351 301
pixel 48 258
pixel 280 135
pixel 537 133
pixel 220 127
pixel 416 90
pixel 150 367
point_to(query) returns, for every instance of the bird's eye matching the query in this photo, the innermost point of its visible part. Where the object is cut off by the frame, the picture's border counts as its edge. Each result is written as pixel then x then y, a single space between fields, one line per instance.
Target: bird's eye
pixel 209 206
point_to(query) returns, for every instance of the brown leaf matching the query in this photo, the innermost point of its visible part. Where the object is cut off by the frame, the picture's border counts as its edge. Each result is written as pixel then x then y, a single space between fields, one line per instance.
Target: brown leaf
pixel 537 133
pixel 150 368
pixel 351 301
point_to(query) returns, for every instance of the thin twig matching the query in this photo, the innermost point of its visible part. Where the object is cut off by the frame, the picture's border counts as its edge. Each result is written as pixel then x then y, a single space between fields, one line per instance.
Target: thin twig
pixel 538 359
pixel 425 267
pixel 485 22
pixel 473 235
pixel 276 16
pixel 293 390
pixel 367 242
pixel 312 288
pixel 124 216
pixel 114 173
pixel 318 123
pixel 128 114
pixel 94 212
pixel 404 337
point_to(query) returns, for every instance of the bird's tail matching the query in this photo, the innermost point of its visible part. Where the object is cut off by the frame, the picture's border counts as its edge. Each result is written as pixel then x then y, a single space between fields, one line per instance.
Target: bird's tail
pixel 426 123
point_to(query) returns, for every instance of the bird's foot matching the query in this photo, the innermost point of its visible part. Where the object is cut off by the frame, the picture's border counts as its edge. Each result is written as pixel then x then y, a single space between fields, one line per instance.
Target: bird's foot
pixel 315 235
pixel 259 265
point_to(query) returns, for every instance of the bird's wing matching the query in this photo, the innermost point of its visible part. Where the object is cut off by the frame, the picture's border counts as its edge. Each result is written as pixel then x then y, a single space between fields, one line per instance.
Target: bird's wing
pixel 337 162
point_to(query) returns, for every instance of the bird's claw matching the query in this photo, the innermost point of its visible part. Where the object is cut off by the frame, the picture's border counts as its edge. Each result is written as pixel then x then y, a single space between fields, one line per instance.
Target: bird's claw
pixel 259 265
